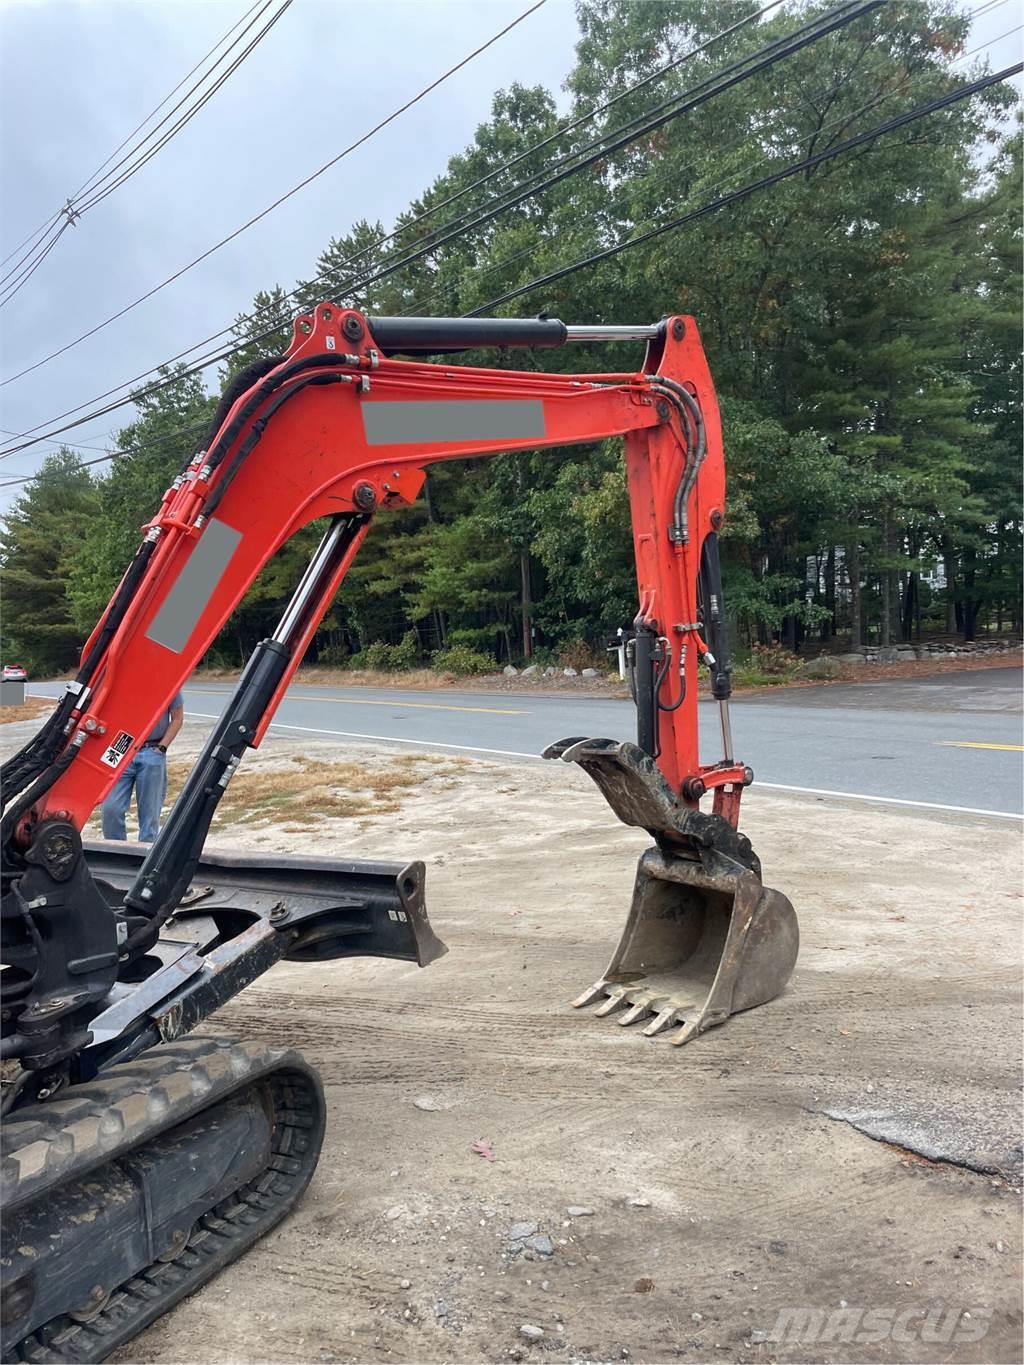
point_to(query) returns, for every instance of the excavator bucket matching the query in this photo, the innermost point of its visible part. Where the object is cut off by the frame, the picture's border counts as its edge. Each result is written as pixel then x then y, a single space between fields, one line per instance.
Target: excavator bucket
pixel 705 938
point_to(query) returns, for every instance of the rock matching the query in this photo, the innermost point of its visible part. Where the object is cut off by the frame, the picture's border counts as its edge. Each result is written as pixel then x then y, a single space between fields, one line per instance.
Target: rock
pixel 636 1202
pixel 569 673
pixel 510 671
pixel 550 672
pixel 541 1244
pixel 696 1317
pixel 820 668
pixel 395 1211
pixel 579 1211
pixel 757 1337
pixel 405 1284
pixel 441 1309
pixel 850 658
pixel 531 1332
pixel 518 1232
pixel 589 673
pixel 427 1103
pixel 530 670
pixel 887 655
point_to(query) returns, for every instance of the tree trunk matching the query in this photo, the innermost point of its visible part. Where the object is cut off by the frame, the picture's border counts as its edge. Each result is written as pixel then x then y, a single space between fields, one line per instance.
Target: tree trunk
pixel 527 603
pixel 853 569
pixel 828 628
pixel 950 570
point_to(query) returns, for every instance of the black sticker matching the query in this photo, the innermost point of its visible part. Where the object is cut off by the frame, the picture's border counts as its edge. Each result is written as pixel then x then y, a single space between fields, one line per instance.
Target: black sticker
pixel 115 752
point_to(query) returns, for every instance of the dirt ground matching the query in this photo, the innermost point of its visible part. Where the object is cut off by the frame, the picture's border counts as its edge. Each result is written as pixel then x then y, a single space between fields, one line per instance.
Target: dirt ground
pixel 852 1148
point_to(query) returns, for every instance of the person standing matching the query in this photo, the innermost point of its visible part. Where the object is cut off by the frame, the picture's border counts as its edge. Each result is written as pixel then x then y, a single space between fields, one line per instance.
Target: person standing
pixel 146 775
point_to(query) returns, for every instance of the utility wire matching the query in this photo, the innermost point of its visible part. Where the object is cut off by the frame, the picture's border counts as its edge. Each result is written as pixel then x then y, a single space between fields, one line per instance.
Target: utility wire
pixel 325 279
pixel 73 208
pixel 138 128
pixel 661 228
pixel 101 191
pixel 16 284
pixel 809 163
pixel 774 51
pixel 282 198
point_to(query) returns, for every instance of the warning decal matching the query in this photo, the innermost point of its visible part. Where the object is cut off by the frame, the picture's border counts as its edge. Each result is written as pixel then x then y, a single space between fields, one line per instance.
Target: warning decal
pixel 115 752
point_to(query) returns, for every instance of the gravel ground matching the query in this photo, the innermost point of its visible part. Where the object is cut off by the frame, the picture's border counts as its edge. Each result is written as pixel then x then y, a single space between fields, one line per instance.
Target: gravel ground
pixel 850 1149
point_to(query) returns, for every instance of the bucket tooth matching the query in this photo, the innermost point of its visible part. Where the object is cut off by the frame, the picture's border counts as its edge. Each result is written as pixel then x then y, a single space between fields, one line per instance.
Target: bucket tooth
pixel 690 1029
pixel 662 1020
pixel 705 938
pixel 615 999
pixel 640 1008
pixel 592 993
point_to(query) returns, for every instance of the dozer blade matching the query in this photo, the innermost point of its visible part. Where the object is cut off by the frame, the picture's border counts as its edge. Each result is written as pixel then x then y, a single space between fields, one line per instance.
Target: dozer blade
pixel 704 938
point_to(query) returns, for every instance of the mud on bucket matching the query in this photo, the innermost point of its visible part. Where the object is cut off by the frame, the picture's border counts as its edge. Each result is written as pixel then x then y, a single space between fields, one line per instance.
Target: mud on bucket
pixel 704 939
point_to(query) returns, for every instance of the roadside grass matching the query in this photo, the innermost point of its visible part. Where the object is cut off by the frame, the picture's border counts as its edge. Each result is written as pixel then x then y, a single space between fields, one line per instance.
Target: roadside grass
pixel 422 679
pixel 31 709
pixel 309 790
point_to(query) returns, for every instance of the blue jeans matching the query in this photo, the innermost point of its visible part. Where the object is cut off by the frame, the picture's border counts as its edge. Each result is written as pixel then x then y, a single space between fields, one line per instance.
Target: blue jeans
pixel 146 774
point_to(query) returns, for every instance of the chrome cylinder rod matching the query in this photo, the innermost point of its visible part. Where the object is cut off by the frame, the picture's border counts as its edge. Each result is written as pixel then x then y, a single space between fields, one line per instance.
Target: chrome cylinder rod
pixel 723 716
pixel 309 588
pixel 646 332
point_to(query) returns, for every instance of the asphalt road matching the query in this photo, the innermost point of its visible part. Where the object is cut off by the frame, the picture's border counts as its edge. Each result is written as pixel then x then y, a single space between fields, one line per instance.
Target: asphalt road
pixel 949 740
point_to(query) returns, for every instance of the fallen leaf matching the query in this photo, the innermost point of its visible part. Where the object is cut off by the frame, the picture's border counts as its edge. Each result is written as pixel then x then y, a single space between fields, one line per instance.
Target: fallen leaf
pixel 483 1148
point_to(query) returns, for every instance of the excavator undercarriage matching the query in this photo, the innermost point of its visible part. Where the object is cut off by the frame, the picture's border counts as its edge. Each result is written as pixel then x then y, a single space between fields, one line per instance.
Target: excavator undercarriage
pixel 136 1161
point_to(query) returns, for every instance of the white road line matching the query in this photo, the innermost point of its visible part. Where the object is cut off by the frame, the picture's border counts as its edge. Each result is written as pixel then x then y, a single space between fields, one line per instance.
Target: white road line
pixel 512 753
pixel 889 800
pixel 767 786
pixel 380 739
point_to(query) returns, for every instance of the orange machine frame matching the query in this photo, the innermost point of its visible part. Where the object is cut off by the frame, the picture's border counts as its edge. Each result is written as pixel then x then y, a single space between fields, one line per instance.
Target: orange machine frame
pixel 321 453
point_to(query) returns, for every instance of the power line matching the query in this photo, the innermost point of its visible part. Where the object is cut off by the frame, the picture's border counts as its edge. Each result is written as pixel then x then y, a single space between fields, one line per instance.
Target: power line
pixel 767 56
pixel 209 360
pixel 29 270
pixel 130 454
pixel 809 163
pixel 326 277
pixel 73 209
pixel 88 181
pixel 282 198
pixel 101 191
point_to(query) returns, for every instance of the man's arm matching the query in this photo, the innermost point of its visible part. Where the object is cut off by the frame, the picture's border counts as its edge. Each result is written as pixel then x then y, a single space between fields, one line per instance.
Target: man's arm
pixel 177 718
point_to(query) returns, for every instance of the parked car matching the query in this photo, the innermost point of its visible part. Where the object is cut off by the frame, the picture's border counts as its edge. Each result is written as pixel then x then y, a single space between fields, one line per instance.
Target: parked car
pixel 14 673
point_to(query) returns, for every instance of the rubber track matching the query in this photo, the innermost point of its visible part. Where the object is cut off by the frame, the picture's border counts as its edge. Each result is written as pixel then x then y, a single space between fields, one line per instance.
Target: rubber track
pixel 48 1145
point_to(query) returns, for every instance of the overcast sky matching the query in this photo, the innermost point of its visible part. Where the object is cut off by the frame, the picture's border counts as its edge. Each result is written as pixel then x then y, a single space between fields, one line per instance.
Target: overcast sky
pixel 76 77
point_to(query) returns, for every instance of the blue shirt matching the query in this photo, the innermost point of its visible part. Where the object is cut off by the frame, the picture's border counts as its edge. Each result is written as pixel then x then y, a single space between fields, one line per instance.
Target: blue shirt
pixel 165 720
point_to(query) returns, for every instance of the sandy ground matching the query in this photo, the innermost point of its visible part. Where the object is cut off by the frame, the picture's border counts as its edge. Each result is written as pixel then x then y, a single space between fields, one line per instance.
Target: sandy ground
pixel 773 1164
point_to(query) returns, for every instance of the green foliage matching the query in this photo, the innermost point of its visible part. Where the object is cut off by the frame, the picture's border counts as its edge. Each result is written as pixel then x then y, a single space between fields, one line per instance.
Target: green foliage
pixel 862 323
pixel 38 547
pixel 389 658
pixel 148 455
pixel 462 660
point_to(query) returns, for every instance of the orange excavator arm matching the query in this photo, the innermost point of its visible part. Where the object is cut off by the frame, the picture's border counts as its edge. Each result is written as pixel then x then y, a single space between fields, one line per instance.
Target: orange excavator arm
pixel 339 429
pixel 334 430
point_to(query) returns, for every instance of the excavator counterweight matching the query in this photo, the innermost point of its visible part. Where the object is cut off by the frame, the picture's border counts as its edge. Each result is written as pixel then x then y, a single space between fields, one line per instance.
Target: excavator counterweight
pixel 137 1162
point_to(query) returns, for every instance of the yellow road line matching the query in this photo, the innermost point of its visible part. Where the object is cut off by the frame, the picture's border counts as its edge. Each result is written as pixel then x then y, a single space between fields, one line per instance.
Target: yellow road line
pixel 366 701
pixel 971 744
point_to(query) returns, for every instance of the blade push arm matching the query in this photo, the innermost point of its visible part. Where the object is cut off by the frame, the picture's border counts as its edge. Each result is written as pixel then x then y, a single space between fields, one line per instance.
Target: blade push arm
pixel 338 429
